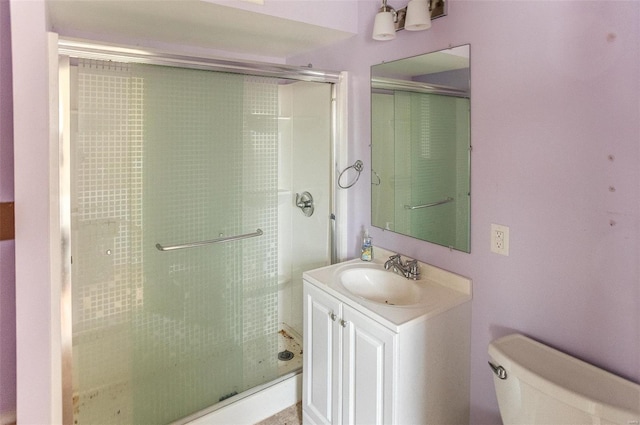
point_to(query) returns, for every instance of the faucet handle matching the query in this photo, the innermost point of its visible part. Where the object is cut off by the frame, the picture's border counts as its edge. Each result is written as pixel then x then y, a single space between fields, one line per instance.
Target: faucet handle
pixel 390 262
pixel 414 269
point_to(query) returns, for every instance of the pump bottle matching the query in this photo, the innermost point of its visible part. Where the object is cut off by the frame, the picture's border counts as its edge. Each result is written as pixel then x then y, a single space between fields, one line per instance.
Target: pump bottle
pixel 367 247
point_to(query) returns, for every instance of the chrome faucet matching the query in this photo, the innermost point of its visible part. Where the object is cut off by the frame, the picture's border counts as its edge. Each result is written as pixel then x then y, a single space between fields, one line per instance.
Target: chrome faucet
pixel 409 269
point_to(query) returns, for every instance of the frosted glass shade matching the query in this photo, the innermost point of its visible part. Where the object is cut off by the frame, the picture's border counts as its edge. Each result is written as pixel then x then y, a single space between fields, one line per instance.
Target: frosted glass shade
pixel 418 16
pixel 383 27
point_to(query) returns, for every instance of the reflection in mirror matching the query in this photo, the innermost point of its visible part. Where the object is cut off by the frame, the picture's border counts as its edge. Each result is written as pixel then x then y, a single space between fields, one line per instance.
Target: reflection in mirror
pixel 420 147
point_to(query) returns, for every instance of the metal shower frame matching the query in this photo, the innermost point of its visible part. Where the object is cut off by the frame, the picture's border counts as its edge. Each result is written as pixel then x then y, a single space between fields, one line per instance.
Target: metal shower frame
pixel 68 49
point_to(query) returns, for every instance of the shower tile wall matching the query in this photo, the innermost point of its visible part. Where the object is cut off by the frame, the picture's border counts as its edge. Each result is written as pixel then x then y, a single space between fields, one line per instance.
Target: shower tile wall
pixel 304 165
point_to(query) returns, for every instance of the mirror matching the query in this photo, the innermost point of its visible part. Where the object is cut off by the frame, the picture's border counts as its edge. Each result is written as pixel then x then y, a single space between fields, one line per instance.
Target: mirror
pixel 420 147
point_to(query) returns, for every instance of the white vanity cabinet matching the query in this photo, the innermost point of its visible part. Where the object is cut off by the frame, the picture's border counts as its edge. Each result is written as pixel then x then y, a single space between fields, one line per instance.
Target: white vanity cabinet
pixel 348 363
pixel 367 363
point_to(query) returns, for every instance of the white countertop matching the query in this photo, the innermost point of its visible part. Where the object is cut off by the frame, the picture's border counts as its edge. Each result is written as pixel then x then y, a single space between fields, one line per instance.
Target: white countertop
pixel 443 290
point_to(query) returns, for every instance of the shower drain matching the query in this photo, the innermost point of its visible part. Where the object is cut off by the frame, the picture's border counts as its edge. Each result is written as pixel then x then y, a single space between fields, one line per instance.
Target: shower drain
pixel 285 355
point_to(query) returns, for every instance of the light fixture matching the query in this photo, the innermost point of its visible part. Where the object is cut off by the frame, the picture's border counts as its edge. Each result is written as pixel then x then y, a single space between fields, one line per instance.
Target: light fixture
pixel 384 27
pixel 416 16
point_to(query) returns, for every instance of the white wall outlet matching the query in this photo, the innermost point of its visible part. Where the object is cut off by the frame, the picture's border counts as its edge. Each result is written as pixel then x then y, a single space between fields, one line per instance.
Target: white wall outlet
pixel 500 239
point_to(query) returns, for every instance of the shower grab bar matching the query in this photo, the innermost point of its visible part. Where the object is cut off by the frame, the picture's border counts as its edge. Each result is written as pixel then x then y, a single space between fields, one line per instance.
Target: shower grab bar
pixel 258 232
pixel 433 204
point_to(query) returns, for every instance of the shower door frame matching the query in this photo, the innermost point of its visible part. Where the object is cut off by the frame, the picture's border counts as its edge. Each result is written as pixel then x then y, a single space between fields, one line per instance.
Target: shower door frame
pixel 67 49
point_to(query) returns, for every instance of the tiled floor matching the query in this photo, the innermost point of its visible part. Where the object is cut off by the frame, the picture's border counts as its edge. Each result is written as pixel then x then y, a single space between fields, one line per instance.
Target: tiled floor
pixel 289 416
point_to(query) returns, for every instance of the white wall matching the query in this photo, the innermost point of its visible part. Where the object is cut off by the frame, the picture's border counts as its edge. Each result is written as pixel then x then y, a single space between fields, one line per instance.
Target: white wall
pixel 555 92
pixel 338 14
pixel 305 156
pixel 38 369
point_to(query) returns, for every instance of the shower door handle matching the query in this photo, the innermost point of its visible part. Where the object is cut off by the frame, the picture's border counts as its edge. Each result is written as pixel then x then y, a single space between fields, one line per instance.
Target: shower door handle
pixel 304 201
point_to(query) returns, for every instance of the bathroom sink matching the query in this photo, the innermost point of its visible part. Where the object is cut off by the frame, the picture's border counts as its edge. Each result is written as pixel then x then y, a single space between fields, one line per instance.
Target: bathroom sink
pixel 380 286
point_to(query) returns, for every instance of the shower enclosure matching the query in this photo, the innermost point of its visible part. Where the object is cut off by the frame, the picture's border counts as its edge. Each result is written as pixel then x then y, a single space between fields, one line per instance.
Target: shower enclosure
pixel 186 244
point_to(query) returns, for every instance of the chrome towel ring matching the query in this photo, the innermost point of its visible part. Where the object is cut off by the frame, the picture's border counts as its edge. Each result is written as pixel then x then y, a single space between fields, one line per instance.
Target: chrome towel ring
pixel 356 166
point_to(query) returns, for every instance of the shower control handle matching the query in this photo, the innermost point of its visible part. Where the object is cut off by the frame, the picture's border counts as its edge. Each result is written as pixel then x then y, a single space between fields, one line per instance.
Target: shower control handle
pixel 304 201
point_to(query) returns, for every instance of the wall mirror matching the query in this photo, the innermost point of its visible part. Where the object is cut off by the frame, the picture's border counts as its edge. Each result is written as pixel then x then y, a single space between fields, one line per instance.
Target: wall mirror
pixel 421 146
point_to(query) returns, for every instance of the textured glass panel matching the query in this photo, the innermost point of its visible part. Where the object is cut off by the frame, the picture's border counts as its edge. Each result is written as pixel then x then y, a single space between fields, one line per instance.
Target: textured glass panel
pixel 382 152
pixel 431 134
pixel 171 156
pixel 106 239
pixel 402 161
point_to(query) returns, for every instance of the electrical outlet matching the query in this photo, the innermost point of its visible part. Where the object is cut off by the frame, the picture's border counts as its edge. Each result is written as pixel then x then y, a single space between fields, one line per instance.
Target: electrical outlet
pixel 500 239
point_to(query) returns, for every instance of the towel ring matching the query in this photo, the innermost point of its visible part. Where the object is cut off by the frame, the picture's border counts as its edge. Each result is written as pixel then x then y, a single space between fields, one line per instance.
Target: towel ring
pixel 356 166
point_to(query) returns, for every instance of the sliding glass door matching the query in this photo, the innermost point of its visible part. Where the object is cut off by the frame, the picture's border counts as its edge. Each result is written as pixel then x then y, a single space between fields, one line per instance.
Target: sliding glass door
pixel 174 239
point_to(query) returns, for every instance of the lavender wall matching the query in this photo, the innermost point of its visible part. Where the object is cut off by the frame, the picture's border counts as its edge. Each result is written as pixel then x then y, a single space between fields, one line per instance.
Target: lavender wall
pixel 7 248
pixel 555 128
pixel 556 91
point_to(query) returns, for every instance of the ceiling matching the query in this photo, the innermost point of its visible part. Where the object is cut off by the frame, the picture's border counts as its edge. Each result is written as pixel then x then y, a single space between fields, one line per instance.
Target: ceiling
pixel 191 23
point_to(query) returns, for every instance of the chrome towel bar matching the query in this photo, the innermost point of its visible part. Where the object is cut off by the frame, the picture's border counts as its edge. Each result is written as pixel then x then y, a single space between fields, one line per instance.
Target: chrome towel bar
pixel 258 232
pixel 433 204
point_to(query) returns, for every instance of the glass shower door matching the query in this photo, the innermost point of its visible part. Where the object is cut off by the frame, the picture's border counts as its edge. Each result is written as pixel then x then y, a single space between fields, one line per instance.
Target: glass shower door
pixel 165 158
pixel 210 168
pixel 424 152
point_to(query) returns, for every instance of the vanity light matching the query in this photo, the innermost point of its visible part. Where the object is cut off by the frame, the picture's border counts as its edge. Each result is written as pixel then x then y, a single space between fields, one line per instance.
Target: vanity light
pixel 416 16
pixel 384 27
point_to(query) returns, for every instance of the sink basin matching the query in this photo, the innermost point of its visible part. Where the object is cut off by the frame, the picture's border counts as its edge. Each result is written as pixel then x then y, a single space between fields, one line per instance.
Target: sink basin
pixel 380 286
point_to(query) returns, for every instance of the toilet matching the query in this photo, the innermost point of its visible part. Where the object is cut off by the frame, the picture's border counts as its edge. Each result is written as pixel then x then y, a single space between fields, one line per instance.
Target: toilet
pixel 536 384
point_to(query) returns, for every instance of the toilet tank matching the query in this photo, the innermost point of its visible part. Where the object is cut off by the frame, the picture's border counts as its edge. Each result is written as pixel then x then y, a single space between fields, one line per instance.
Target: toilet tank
pixel 536 384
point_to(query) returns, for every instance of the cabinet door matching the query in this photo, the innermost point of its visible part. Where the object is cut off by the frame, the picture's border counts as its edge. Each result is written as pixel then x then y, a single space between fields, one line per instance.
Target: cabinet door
pixel 321 356
pixel 368 378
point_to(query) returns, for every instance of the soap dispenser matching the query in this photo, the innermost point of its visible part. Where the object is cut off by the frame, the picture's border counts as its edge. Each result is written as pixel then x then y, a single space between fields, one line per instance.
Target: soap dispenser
pixel 367 247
